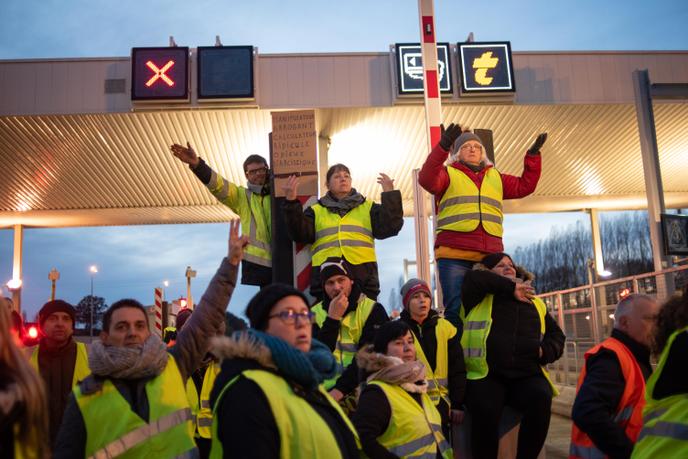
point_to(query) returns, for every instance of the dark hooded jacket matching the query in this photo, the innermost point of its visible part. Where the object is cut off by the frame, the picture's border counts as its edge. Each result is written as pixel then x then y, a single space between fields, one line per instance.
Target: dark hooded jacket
pixel 426 336
pixel 386 220
pixel 514 340
pixel 246 426
pixel 329 333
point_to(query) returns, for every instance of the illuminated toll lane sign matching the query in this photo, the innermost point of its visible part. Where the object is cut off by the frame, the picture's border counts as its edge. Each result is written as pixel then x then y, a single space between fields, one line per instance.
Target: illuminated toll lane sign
pixel 225 72
pixel 160 74
pixel 410 68
pixel 486 68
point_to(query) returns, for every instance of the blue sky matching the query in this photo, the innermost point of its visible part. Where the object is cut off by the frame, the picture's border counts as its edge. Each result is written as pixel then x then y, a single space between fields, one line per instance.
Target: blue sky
pixel 133 260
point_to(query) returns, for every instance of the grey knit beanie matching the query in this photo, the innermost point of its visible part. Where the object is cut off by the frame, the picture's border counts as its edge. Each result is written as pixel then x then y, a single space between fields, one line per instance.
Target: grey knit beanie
pixel 412 286
pixel 463 138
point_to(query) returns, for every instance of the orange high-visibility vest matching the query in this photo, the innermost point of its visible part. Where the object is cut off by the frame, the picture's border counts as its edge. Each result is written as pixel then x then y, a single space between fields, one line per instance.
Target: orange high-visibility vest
pixel 629 413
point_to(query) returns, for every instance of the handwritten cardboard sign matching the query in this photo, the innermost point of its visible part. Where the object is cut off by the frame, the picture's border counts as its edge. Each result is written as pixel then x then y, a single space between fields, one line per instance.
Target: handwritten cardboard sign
pixel 295 150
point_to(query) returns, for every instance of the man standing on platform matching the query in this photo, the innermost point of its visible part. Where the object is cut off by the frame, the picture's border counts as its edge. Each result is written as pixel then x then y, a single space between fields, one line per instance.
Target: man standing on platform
pixel 252 204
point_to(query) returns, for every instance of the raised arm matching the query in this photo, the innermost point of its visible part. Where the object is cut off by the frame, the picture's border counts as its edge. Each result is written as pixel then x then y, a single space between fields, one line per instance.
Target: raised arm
pixel 194 339
pixel 224 191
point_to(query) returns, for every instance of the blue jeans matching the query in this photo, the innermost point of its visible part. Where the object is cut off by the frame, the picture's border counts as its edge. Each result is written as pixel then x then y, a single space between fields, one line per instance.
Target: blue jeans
pixel 451 279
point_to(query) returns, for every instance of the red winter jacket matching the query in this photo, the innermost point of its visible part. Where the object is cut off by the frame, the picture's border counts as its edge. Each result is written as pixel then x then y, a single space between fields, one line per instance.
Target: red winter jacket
pixel 435 179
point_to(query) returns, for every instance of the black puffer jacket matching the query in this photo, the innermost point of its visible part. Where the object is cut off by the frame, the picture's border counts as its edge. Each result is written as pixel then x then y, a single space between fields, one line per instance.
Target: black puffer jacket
pixel 246 425
pixel 514 340
pixel 386 220
pixel 426 336
pixel 329 333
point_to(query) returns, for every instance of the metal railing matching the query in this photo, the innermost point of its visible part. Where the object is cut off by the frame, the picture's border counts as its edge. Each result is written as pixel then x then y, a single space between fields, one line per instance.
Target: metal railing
pixel 586 313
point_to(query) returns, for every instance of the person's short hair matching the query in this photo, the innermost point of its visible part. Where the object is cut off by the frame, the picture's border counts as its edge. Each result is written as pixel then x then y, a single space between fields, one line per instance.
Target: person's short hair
pixel 254 159
pixel 388 332
pixel 123 303
pixel 336 168
pixel 626 305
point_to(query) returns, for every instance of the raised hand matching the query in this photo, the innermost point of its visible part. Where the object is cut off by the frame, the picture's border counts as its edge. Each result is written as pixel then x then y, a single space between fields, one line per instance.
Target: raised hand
pixel 386 182
pixel 539 142
pixel 449 135
pixel 524 292
pixel 291 187
pixel 185 154
pixel 338 306
pixel 237 243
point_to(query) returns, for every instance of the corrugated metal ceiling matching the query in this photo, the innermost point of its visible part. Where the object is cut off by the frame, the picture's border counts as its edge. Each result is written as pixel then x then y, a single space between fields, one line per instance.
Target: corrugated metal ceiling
pixel 117 169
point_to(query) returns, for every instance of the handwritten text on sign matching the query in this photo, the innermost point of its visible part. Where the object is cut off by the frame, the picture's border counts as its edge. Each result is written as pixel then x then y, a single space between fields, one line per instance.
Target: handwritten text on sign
pixel 294 150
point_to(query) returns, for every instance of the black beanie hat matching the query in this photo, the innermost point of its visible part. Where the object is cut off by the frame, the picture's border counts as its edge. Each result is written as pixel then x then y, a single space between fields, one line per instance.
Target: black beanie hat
pixel 54 306
pixel 491 260
pixel 261 304
pixel 389 331
pixel 334 266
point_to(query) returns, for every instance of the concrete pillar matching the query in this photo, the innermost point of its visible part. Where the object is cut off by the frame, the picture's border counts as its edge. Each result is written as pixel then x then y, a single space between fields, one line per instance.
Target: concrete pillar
pixel 596 241
pixel 17 280
pixel 653 177
pixel 420 225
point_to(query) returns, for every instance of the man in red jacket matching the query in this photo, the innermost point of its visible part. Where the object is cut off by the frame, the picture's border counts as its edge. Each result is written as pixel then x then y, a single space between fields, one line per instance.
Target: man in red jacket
pixel 469 193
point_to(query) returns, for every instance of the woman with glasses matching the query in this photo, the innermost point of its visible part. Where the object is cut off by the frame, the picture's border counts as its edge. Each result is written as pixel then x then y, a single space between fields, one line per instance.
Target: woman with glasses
pixel 345 224
pixel 469 192
pixel 396 417
pixel 268 400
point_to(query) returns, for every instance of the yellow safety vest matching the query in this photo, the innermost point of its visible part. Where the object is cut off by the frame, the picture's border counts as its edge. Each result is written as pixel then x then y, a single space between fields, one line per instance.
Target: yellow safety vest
pixel 350 330
pixel 255 213
pixel 25 451
pixel 81 369
pixel 204 421
pixel 350 236
pixel 413 430
pixel 474 339
pixel 192 397
pixel 463 206
pixel 665 421
pixel 302 431
pixel 114 430
pixel 438 380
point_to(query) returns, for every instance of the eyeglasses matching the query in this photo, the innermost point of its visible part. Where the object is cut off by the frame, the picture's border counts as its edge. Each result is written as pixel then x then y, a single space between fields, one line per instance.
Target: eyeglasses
pixel 469 146
pixel 262 170
pixel 290 317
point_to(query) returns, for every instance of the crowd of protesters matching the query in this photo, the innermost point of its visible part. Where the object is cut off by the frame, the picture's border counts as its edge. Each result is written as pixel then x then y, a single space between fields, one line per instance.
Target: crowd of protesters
pixel 334 377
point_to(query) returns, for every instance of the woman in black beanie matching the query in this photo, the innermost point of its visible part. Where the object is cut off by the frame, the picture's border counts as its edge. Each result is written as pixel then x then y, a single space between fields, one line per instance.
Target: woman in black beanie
pixel 395 415
pixel 268 401
pixel 508 338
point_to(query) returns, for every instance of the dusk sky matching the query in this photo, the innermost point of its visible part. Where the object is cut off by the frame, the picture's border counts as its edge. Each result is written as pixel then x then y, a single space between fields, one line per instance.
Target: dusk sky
pixel 133 260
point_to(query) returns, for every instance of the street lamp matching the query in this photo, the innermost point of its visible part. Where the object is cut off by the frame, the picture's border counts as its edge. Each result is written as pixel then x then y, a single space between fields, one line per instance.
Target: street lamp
pixel 53 277
pixel 94 271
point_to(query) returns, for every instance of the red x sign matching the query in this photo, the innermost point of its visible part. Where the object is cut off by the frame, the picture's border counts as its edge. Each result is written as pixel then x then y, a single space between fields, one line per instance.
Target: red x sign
pixel 159 73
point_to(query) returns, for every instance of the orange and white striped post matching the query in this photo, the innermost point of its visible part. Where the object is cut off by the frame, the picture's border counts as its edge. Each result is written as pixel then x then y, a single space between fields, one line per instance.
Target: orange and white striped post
pixel 302 254
pixel 433 118
pixel 158 311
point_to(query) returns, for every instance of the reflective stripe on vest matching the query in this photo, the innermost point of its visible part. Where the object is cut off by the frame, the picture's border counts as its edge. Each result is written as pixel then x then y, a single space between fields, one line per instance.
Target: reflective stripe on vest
pixel 463 206
pixel 438 381
pixel 192 397
pixel 205 414
pixel 302 431
pixel 169 432
pixel 665 421
pixel 350 236
pixel 474 339
pixel 350 330
pixel 628 414
pixel 255 213
pixel 257 251
pixel 414 430
pixel 81 369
